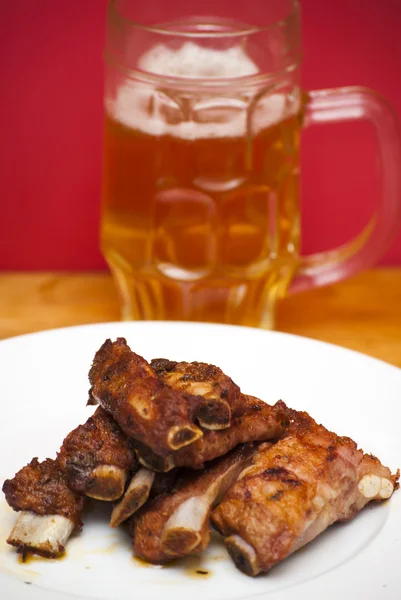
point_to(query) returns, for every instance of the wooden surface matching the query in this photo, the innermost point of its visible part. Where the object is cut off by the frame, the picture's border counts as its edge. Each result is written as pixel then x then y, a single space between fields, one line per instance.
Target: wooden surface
pixel 363 313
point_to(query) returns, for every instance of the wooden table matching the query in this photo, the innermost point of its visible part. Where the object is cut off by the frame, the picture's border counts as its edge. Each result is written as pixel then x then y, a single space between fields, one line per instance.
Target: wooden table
pixel 363 313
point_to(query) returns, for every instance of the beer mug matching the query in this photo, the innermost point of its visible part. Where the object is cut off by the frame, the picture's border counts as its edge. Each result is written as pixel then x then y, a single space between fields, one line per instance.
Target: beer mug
pixel 203 114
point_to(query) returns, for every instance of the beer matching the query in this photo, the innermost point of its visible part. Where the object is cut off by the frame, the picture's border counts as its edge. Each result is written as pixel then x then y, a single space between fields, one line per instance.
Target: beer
pixel 200 194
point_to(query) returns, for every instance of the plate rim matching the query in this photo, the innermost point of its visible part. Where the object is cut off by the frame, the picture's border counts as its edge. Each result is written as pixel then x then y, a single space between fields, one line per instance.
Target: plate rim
pixel 256 330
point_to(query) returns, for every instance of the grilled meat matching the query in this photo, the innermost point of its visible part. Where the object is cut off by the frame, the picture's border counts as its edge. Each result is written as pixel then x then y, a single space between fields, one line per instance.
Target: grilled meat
pixel 294 490
pixel 222 397
pixel 259 421
pixel 176 523
pixel 97 458
pixel 41 487
pixel 147 409
pixel 211 446
pixel 50 511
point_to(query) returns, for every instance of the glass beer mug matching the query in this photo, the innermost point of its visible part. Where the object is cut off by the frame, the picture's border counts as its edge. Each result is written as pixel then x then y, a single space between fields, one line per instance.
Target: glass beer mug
pixel 201 213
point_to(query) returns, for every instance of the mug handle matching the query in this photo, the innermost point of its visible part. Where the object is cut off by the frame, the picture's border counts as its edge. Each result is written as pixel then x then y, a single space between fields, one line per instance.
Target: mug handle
pixel 349 104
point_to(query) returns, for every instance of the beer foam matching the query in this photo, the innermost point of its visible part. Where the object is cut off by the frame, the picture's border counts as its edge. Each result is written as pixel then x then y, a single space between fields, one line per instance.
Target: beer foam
pixel 195 61
pixel 161 111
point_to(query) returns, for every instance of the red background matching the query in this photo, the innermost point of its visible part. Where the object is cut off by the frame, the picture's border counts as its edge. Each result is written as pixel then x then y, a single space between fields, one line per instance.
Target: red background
pixel 51 125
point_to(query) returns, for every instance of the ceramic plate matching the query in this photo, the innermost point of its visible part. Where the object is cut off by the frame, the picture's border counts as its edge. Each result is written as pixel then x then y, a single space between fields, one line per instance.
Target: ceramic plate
pixel 44 388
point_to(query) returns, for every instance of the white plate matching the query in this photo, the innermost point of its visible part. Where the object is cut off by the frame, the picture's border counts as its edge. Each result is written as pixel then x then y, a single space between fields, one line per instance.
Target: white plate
pixel 43 395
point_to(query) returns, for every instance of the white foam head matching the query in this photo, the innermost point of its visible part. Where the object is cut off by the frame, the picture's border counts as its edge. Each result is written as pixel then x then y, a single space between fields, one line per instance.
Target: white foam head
pixel 196 61
pixel 222 113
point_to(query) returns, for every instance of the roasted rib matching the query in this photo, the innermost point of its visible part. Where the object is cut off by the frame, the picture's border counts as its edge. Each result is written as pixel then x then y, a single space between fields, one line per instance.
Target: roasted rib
pixel 147 409
pixel 259 421
pixel 50 511
pixel 97 458
pixel 222 397
pixel 294 490
pixel 176 523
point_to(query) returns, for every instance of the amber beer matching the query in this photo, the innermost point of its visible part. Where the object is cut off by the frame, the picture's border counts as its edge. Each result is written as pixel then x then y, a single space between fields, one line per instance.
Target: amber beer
pixel 200 206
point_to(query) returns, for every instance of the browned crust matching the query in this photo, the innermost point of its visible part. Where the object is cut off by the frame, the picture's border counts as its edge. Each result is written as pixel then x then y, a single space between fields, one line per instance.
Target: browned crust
pixel 148 523
pixel 41 487
pixel 222 397
pixel 100 441
pixel 186 374
pixel 258 422
pixel 146 409
pixel 293 491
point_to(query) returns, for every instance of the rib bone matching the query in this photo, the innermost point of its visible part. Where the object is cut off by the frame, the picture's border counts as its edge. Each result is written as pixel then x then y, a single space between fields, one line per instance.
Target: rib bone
pixel 136 495
pixel 106 483
pixel 176 522
pixel 152 461
pixel 214 413
pixel 189 523
pixel 180 436
pixel 374 487
pixel 42 534
pixel 243 555
pixel 386 489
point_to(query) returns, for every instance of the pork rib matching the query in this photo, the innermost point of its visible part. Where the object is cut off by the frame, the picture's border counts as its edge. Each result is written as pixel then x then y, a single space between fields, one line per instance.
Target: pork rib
pixel 176 523
pixel 146 408
pixel 258 421
pixel 294 490
pixel 221 395
pixel 49 510
pixel 97 458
